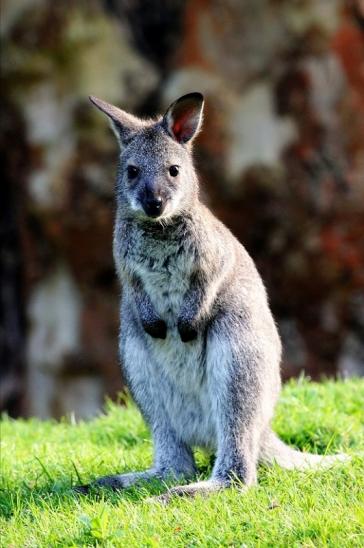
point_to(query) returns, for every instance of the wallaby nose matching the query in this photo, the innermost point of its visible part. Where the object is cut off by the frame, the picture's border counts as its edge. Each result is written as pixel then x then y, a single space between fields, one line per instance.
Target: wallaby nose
pixel 153 206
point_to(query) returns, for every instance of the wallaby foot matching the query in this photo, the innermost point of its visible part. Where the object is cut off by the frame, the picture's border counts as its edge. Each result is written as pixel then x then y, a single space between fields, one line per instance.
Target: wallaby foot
pixel 123 481
pixel 118 481
pixel 222 480
pixel 202 488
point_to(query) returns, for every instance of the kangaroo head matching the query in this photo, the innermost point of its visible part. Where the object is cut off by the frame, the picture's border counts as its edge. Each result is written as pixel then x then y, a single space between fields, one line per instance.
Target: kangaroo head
pixel 156 179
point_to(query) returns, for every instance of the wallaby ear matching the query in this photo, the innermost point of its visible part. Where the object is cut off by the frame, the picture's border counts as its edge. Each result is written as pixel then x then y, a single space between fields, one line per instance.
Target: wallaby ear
pixel 122 123
pixel 184 117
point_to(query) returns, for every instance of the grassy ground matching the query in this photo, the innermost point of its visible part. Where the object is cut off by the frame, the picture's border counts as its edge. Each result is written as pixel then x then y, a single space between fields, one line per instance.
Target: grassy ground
pixel 40 461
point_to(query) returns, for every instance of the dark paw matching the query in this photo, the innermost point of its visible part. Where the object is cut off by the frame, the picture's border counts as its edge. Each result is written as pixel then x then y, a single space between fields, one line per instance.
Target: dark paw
pixel 82 489
pixel 156 329
pixel 112 483
pixel 187 332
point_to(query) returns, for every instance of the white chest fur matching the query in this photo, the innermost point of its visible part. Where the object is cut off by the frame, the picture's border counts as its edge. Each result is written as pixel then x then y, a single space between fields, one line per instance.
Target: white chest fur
pixel 181 374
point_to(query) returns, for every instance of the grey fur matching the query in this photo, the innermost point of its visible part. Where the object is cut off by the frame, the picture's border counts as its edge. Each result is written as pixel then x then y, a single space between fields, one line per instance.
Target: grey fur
pixel 199 346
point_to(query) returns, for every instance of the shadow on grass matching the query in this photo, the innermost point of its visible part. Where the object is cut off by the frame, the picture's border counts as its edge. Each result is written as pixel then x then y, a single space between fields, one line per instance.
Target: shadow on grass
pixel 54 494
pixel 58 495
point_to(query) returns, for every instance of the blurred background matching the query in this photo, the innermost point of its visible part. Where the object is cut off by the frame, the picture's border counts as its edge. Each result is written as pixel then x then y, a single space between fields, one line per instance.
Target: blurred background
pixel 281 160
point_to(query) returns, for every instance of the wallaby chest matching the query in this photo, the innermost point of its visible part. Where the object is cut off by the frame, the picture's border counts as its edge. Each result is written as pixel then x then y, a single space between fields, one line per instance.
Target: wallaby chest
pixel 164 265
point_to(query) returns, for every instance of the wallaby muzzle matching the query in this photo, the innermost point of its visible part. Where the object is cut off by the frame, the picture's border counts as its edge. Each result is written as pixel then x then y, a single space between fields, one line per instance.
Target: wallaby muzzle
pixel 152 200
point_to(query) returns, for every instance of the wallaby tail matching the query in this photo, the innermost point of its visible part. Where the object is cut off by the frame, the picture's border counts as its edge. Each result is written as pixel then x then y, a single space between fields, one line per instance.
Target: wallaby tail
pixel 273 450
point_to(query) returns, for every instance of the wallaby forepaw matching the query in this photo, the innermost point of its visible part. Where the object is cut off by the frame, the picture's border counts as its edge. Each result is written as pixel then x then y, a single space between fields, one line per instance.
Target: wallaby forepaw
pixel 187 332
pixel 156 329
pixel 203 488
pixel 81 489
pixel 114 483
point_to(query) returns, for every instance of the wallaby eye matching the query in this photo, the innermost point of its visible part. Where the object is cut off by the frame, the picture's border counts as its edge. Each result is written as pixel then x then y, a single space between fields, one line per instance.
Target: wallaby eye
pixel 173 171
pixel 133 172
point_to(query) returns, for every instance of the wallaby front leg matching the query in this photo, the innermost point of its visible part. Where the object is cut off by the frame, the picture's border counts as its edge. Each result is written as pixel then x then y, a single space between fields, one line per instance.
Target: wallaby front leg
pixel 198 302
pixel 151 322
pixel 190 319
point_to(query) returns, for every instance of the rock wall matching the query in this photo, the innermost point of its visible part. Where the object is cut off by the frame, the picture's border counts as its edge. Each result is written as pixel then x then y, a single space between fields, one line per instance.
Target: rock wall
pixel 281 160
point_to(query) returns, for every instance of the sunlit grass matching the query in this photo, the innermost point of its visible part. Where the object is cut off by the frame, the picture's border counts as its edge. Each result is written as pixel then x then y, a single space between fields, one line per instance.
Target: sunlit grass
pixel 41 461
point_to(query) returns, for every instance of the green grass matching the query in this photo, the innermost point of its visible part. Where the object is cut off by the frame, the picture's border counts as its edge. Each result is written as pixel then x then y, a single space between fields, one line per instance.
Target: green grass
pixel 40 461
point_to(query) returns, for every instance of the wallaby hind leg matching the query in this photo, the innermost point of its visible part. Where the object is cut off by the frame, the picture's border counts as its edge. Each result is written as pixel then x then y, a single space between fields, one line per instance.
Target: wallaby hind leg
pixel 181 466
pixel 173 460
pixel 233 376
pixel 172 457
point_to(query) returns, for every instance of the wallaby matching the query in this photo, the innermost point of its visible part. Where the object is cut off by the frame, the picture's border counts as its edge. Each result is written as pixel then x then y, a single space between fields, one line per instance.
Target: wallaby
pixel 198 344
